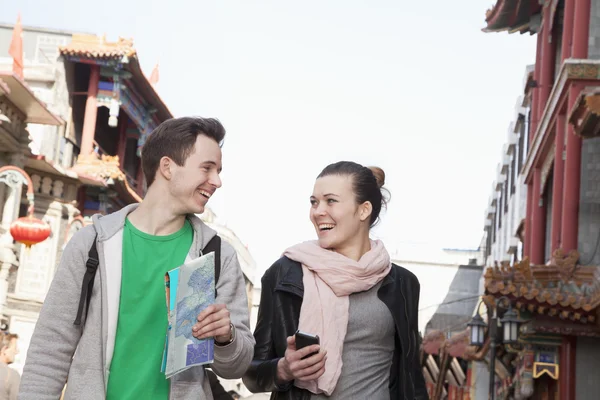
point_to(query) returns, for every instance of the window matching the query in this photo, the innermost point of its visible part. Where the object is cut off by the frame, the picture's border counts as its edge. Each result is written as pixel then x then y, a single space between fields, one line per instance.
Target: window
pixel 505 191
pixel 500 208
pixel 513 170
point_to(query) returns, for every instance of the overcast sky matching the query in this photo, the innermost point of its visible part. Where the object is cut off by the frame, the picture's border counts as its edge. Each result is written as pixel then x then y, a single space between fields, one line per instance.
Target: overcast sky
pixel 414 87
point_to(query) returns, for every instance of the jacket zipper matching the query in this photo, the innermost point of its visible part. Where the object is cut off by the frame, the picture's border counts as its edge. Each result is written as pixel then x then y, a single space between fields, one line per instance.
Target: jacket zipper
pixel 407 320
pixel 409 336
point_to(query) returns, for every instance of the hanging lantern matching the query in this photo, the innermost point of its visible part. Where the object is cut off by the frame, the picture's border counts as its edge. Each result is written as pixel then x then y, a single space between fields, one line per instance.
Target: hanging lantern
pixel 29 230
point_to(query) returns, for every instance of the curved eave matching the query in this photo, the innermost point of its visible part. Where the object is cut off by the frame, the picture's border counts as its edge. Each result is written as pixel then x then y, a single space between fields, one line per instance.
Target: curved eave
pixel 512 16
pixel 147 90
pixel 496 13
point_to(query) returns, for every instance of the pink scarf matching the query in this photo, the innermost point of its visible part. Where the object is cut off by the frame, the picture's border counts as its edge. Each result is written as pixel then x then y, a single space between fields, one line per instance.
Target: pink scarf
pixel 329 278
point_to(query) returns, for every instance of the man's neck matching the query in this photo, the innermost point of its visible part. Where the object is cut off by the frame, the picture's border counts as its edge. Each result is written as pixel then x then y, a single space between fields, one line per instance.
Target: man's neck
pixel 156 216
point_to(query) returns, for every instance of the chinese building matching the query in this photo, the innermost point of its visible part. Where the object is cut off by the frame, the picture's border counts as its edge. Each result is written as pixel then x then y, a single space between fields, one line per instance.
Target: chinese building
pixel 555 221
pixel 74 123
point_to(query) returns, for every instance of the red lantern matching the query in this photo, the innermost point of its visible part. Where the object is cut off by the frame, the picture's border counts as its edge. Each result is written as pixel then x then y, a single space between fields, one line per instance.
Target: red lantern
pixel 29 230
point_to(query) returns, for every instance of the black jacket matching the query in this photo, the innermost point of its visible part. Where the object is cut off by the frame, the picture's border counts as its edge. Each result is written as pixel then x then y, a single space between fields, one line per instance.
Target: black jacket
pixel 279 313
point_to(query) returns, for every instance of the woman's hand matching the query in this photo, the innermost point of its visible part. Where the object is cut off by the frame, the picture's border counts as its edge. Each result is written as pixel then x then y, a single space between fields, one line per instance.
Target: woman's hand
pixel 293 367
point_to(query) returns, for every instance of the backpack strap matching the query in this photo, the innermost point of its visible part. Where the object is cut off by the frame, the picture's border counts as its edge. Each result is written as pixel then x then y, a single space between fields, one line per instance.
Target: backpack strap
pixel 91 266
pixel 214 245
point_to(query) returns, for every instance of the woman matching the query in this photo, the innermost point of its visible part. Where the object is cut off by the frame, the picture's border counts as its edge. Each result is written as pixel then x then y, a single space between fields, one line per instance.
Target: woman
pixel 344 289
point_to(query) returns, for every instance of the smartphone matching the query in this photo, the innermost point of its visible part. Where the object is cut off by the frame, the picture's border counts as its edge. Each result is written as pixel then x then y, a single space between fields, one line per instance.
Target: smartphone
pixel 306 339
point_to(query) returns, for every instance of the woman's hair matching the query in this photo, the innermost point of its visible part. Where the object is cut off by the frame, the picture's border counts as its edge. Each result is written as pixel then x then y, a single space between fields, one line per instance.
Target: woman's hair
pixel 367 184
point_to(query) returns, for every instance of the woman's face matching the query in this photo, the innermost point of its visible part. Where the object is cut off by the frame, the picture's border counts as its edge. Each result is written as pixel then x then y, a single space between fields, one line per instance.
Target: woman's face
pixel 336 216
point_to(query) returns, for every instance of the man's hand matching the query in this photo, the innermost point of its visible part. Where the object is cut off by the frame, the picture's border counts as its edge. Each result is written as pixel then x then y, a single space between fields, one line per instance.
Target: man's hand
pixel 293 367
pixel 215 322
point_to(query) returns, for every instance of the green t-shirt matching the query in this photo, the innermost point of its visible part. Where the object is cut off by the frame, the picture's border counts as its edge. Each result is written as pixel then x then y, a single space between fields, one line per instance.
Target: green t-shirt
pixel 141 328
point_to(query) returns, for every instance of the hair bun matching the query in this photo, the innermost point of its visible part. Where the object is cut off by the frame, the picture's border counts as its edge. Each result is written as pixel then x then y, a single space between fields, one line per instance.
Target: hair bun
pixel 379 175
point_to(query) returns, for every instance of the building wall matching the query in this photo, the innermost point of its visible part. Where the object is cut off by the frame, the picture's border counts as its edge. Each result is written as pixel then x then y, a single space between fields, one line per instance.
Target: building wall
pixel 39 45
pixel 589 204
pixel 594 41
pixel 435 268
pixel 586 369
pixel 45 76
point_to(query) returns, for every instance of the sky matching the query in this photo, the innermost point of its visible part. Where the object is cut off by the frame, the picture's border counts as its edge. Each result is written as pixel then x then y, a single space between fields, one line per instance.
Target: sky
pixel 414 87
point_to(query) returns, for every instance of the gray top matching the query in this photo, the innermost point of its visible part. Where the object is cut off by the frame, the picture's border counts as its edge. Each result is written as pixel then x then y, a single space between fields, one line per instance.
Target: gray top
pixel 9 382
pixel 368 350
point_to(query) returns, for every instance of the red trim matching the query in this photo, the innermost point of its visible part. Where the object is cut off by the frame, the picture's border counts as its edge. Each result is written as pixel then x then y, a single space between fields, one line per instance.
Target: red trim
pixel 528 228
pixel 557 183
pixel 567 368
pixel 91 112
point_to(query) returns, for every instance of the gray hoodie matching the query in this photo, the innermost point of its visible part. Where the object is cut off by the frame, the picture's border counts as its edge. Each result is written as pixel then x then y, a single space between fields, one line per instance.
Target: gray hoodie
pixel 60 351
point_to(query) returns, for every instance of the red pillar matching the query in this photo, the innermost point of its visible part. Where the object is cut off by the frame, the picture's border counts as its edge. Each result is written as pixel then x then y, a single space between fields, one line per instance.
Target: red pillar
pixel 561 129
pixel 581 29
pixel 535 90
pixel 538 221
pixel 91 112
pixel 566 376
pixel 570 217
pixel 122 144
pixel 140 179
pixel 81 199
pixel 548 58
pixel 567 37
pixel 528 227
pixel 557 183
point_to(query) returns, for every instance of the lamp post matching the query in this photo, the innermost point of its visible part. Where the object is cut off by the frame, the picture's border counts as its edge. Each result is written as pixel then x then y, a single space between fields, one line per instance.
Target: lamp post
pixel 510 333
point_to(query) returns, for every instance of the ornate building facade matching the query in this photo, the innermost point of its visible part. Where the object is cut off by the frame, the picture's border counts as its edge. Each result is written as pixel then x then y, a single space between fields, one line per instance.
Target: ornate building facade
pixel 78 149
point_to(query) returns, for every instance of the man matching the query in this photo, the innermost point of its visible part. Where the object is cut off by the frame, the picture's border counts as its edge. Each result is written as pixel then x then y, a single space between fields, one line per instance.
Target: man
pixel 120 346
pixel 9 378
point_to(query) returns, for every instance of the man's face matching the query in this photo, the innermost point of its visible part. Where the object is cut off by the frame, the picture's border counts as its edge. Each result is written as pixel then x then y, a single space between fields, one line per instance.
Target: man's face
pixel 10 351
pixel 192 184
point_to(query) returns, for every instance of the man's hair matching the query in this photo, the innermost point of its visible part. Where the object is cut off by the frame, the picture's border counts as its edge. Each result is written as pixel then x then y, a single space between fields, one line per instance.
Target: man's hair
pixel 175 138
pixel 7 338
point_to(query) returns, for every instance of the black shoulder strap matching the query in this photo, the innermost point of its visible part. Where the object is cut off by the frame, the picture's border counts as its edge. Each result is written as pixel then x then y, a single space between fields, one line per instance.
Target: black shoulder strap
pixel 214 245
pixel 88 282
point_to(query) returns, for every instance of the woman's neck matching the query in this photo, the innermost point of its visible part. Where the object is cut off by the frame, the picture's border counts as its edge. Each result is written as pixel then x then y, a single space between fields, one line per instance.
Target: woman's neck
pixel 355 250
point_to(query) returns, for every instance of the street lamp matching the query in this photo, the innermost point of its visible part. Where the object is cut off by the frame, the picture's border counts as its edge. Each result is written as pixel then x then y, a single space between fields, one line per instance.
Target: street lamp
pixel 509 322
pixel 477 330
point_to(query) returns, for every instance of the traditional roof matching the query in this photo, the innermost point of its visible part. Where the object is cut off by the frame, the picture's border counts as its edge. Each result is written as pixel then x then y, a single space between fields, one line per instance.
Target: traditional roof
pixel 511 15
pixel 433 341
pixel 26 101
pixel 92 46
pixel 105 170
pixel 121 54
pixel 457 344
pixel 460 301
pixel 561 289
